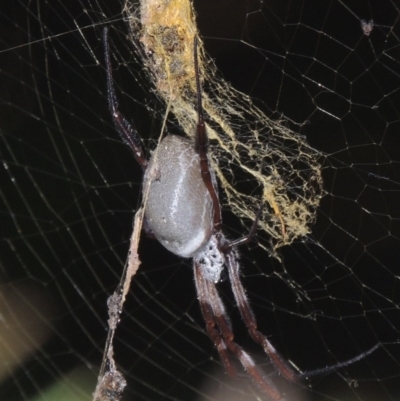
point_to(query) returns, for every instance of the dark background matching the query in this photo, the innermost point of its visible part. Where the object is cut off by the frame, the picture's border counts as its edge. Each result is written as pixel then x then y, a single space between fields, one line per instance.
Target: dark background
pixel 69 189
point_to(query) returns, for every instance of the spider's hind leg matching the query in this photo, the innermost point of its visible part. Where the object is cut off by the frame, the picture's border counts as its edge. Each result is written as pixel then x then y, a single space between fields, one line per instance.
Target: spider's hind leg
pixel 250 320
pixel 124 128
pixel 219 329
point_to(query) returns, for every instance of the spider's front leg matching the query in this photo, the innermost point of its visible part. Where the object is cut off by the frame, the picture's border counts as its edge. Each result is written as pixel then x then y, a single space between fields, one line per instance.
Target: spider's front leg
pixel 125 130
pixel 201 145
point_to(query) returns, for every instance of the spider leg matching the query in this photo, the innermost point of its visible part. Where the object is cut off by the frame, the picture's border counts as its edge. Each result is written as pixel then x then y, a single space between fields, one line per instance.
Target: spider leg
pixel 250 320
pixel 215 316
pixel 201 145
pixel 247 238
pixel 125 130
pixel 209 318
pixel 251 323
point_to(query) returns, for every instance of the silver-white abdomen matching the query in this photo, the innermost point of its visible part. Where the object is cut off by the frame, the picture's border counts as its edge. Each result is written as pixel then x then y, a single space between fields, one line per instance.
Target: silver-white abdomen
pixel 179 209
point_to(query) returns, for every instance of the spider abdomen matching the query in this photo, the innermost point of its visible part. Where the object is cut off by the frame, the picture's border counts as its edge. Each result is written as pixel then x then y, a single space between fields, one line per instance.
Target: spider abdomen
pixel 179 209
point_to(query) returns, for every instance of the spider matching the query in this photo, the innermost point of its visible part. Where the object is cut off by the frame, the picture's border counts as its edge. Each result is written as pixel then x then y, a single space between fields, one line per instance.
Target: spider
pixel 184 214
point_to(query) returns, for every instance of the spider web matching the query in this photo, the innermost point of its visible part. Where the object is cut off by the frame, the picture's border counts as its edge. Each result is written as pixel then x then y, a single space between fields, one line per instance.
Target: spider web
pixel 70 187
